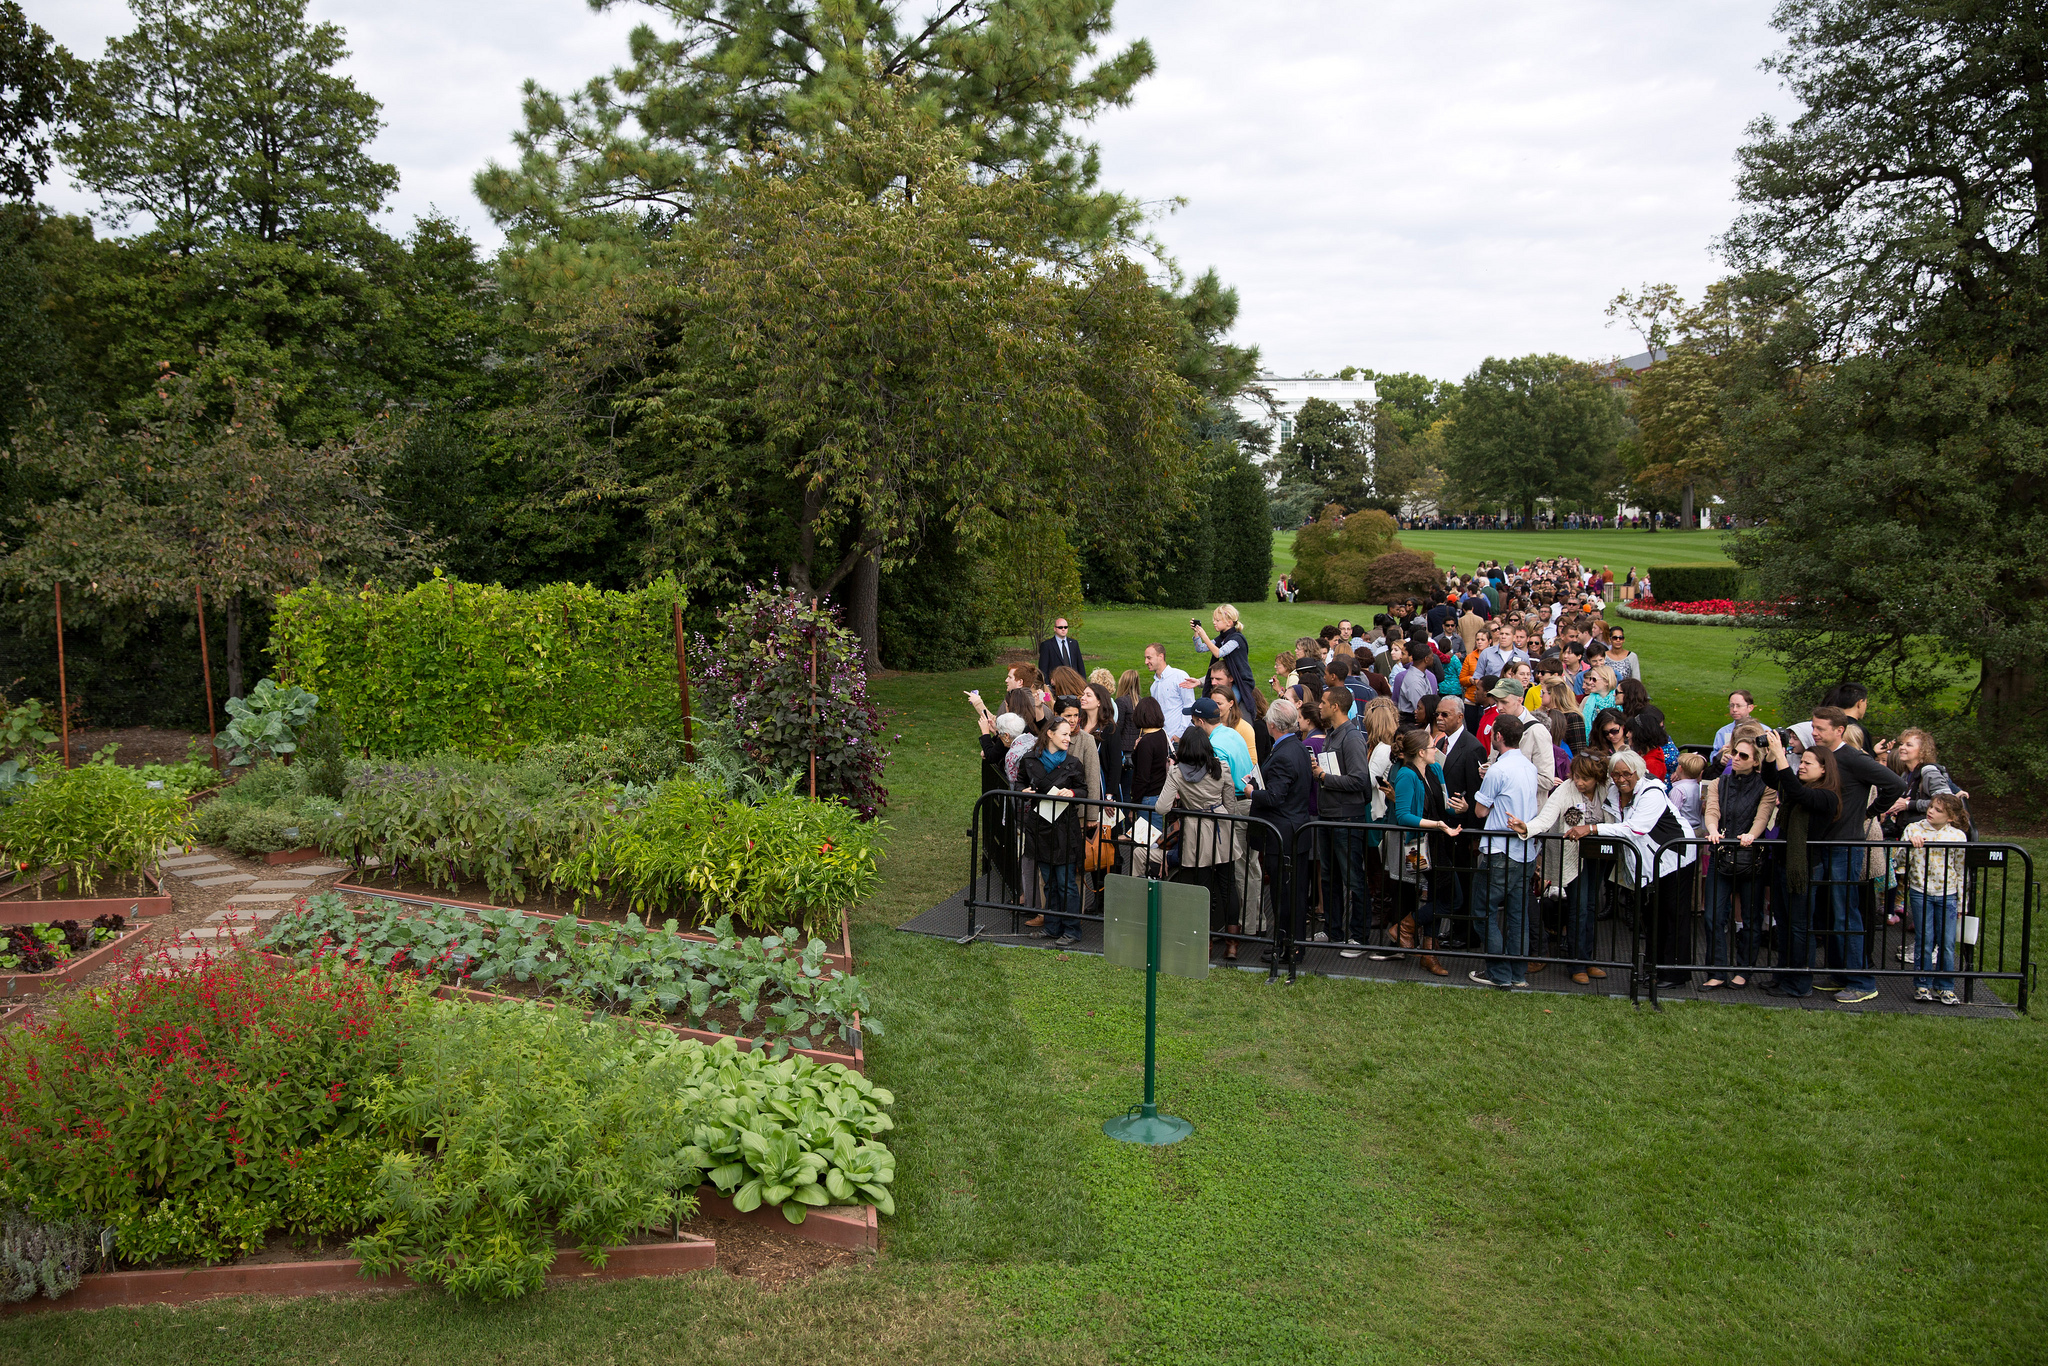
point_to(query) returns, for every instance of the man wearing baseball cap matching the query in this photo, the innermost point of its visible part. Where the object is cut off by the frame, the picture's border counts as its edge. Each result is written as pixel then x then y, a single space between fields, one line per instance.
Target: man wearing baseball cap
pixel 1228 744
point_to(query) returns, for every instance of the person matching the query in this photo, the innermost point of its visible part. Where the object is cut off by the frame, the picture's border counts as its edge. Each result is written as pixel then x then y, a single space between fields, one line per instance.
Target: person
pixel 1286 799
pixel 1231 650
pixel 1628 585
pixel 1600 696
pixel 1028 705
pixel 1582 801
pixel 1259 744
pixel 1506 860
pixel 1195 792
pixel 1468 672
pixel 1741 706
pixel 1308 665
pixel 1934 881
pixel 1646 736
pixel 1062 651
pixel 1535 741
pixel 1172 689
pixel 1912 757
pixel 1739 807
pixel 1620 659
pixel 1343 783
pixel 1097 709
pixel 1284 590
pixel 1227 744
pixel 1082 746
pixel 1151 754
pixel 1470 623
pixel 1685 788
pixel 1052 830
pixel 1411 683
pixel 1648 822
pixel 1810 802
pixel 1866 787
pixel 1416 786
pixel 1566 725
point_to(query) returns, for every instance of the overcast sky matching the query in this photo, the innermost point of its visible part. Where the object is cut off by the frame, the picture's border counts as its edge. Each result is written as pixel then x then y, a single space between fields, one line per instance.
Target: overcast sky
pixel 1401 186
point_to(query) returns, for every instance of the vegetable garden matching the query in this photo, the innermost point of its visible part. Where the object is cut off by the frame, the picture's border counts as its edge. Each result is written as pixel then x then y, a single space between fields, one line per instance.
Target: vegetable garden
pixel 575 978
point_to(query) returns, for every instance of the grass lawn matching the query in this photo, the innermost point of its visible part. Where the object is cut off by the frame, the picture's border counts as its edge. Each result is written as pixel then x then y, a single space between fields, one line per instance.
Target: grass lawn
pixel 1379 1173
pixel 1618 549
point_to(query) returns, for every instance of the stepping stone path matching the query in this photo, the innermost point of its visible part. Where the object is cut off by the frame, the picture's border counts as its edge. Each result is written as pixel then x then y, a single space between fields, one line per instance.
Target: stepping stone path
pixel 279 886
pixel 317 869
pixel 276 900
pixel 188 860
pixel 206 868
pixel 230 877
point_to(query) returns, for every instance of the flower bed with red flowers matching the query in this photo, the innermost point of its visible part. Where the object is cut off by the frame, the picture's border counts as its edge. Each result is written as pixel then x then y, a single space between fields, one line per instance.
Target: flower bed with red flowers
pixel 1711 612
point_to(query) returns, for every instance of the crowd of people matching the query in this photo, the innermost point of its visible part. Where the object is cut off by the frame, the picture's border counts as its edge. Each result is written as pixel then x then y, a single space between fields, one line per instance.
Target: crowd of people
pixel 1481 773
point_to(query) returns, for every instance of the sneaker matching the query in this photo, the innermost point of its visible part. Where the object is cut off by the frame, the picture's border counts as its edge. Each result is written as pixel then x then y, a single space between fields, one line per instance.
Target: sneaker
pixel 1923 994
pixel 1831 986
pixel 1484 980
pixel 1524 984
pixel 1352 949
pixel 1949 998
pixel 1066 939
pixel 1322 938
pixel 1853 996
pixel 1909 956
pixel 1048 934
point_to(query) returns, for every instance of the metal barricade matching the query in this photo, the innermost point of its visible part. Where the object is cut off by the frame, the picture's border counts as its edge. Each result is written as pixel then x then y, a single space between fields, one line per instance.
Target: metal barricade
pixel 1955 912
pixel 1569 905
pixel 1241 859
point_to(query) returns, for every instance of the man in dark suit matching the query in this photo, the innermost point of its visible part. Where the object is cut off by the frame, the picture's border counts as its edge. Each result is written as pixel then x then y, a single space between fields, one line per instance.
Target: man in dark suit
pixel 1061 651
pixel 1463 755
pixel 1285 800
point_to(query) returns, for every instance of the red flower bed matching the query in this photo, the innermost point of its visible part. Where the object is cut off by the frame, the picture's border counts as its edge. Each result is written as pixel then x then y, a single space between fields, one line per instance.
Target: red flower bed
pixel 1712 607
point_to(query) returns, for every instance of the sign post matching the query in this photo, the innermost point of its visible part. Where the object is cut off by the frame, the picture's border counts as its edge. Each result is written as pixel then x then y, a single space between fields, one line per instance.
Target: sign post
pixel 1171 911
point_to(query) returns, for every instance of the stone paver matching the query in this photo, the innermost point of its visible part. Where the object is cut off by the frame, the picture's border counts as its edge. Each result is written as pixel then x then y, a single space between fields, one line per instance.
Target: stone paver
pixel 250 913
pixel 249 898
pixel 212 866
pixel 224 881
pixel 316 869
pixel 279 886
pixel 189 860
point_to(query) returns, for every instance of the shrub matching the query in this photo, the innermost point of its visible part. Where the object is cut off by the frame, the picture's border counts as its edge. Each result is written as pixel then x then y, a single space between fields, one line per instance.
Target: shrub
pixel 760 675
pixel 48 1256
pixel 787 861
pixel 640 755
pixel 1400 574
pixel 1241 566
pixel 193 1111
pixel 929 613
pixel 779 985
pixel 1696 582
pixel 88 822
pixel 180 779
pixel 271 808
pixel 1332 553
pixel 451 666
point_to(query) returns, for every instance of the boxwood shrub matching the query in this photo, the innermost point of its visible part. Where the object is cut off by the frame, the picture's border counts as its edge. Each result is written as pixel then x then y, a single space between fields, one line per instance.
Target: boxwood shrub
pixel 1695 582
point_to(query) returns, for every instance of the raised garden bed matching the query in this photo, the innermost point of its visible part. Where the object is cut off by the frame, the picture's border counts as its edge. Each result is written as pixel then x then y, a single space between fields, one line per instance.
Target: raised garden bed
pixel 340 1276
pixel 419 894
pixel 306 854
pixel 71 969
pixel 143 897
pixel 858 1227
pixel 19 1014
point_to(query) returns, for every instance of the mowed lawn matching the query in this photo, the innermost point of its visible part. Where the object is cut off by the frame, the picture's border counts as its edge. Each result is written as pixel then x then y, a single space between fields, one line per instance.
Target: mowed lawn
pixel 1615 549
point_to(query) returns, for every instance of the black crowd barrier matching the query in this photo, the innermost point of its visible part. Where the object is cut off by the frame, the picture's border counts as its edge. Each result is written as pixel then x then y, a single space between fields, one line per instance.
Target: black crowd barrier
pixel 1871 909
pixel 1489 902
pixel 1241 859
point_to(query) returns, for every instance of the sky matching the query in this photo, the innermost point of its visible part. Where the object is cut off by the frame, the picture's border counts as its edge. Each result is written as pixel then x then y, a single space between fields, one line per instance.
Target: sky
pixel 1392 185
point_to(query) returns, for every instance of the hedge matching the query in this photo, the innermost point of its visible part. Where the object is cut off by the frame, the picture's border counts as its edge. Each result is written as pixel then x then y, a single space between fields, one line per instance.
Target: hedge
pixel 1696 582
pixel 484 671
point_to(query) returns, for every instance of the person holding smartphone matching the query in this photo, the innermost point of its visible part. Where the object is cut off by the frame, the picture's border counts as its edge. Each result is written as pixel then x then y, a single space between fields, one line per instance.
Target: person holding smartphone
pixel 1233 652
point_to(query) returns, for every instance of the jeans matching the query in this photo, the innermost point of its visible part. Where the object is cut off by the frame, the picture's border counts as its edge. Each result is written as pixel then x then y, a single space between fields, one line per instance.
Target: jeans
pixel 1725 944
pixel 1347 898
pixel 1845 915
pixel 1062 899
pixel 1935 922
pixel 1505 887
pixel 1582 908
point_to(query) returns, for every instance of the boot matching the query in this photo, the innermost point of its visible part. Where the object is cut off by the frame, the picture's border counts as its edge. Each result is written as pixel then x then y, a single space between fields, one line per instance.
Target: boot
pixel 1230 945
pixel 1404 933
pixel 1430 963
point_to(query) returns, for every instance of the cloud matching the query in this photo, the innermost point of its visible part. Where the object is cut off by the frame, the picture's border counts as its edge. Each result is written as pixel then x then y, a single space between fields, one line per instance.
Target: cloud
pixel 1405 186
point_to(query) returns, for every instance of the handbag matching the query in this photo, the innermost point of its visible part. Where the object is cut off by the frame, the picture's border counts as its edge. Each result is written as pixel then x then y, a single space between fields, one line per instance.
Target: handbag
pixel 1737 860
pixel 1101 854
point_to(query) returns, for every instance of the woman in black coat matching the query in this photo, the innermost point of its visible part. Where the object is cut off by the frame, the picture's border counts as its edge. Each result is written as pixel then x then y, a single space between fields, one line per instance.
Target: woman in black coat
pixel 1809 798
pixel 1052 829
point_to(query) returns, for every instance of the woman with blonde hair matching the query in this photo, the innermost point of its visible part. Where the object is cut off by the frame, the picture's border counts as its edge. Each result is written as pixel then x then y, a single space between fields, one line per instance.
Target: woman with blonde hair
pixel 1566 725
pixel 1601 695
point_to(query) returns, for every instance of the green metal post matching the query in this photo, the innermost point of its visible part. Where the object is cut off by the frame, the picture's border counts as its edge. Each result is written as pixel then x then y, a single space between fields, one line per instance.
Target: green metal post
pixel 1143 1123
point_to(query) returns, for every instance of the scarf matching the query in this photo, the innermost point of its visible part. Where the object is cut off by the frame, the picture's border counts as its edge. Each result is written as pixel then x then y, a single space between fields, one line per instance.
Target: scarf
pixel 1052 760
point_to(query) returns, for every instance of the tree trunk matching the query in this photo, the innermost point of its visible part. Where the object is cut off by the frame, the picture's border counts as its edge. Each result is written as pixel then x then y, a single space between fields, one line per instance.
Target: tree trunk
pixel 800 569
pixel 1685 518
pixel 863 597
pixel 2009 691
pixel 231 624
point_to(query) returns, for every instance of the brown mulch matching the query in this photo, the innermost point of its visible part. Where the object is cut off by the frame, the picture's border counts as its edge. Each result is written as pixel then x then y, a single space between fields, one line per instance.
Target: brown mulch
pixel 139 744
pixel 765 1255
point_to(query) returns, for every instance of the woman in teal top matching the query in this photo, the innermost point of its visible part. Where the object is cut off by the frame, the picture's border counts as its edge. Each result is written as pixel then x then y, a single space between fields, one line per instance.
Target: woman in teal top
pixel 1409 803
pixel 1600 695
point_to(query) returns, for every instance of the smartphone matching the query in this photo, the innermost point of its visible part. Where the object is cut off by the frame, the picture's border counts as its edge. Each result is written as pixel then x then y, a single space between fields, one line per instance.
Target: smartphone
pixel 1195 622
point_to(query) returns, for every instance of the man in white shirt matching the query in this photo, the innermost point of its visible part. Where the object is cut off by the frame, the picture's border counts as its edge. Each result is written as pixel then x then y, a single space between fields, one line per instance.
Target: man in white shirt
pixel 1172 689
pixel 1741 705
pixel 1506 860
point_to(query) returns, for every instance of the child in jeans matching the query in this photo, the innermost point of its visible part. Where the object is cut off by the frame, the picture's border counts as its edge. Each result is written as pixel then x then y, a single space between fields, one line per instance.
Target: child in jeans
pixel 1934 889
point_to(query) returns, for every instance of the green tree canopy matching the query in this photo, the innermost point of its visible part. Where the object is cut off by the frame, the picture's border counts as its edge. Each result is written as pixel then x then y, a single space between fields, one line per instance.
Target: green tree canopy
pixel 1890 425
pixel 603 167
pixel 1534 428
pixel 219 117
pixel 36 75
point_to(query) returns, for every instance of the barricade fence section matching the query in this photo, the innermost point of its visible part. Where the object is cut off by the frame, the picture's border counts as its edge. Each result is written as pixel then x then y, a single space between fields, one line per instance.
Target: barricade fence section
pixel 1490 902
pixel 1947 915
pixel 1039 866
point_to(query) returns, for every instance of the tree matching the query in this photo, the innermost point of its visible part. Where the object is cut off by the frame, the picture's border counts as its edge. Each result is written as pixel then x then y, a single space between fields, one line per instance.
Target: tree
pixel 625 158
pixel 1329 451
pixel 1533 428
pixel 219 117
pixel 1889 425
pixel 234 508
pixel 1333 553
pixel 1241 567
pixel 36 75
pixel 857 337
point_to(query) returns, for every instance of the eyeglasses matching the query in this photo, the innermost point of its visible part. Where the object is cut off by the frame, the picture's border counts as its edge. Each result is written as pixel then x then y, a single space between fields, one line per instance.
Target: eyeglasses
pixel 1059 626
pixel 1612 731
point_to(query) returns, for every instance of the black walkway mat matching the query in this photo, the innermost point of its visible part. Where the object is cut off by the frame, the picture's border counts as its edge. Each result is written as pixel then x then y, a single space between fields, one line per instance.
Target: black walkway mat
pixel 949 920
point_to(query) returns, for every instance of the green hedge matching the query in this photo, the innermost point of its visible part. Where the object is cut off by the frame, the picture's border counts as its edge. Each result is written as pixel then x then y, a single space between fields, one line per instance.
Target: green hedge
pixel 477 670
pixel 1695 582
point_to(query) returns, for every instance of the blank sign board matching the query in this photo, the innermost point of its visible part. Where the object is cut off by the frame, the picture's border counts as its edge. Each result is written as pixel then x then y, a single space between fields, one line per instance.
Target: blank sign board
pixel 1183 925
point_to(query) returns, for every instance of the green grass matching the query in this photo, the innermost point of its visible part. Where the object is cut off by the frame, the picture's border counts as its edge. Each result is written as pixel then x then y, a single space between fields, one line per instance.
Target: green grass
pixel 1616 549
pixel 1379 1173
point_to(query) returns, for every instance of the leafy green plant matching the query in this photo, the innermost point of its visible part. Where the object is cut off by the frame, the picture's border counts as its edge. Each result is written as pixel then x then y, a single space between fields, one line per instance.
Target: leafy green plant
pixel 88 822
pixel 787 860
pixel 180 779
pixel 779 986
pixel 267 722
pixel 795 1136
pixel 637 756
pixel 50 1256
pixel 270 808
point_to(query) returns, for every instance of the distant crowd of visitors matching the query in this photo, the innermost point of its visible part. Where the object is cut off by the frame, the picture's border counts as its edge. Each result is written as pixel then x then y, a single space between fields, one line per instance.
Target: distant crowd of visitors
pixel 1499 778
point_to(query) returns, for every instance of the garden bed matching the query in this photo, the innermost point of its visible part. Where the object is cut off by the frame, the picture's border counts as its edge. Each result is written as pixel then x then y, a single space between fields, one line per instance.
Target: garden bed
pixel 138 898
pixel 560 906
pixel 305 854
pixel 343 1275
pixel 71 969
pixel 857 1227
pixel 15 1015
